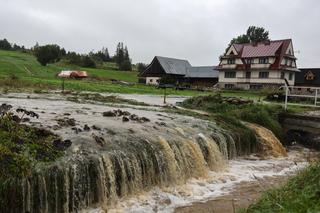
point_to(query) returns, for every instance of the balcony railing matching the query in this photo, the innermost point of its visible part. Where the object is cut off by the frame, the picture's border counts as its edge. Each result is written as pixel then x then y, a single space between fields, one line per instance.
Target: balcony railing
pixel 260 80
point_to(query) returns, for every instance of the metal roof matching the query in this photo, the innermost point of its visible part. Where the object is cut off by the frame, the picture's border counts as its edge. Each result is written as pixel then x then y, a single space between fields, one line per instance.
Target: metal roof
pixel 261 49
pixel 173 65
pixel 202 72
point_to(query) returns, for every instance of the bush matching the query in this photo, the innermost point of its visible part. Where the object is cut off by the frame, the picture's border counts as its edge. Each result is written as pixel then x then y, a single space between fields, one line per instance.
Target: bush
pixel 48 54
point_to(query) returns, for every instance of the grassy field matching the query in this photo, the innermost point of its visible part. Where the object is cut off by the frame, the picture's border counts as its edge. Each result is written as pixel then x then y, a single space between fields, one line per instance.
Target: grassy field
pixel 21 71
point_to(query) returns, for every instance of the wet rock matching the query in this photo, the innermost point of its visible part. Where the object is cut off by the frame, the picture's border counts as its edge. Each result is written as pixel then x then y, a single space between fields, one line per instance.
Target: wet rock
pixel 134 117
pixel 109 114
pixel 66 122
pixel 61 145
pixel 16 118
pixel 86 128
pixel 161 123
pixel 76 130
pixel 144 119
pixel 126 113
pixel 26 120
pixel 125 119
pixel 96 127
pixel 99 140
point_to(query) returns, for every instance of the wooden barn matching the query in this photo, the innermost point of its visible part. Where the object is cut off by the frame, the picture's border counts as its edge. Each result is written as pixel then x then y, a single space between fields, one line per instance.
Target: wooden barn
pixel 180 72
pixel 205 76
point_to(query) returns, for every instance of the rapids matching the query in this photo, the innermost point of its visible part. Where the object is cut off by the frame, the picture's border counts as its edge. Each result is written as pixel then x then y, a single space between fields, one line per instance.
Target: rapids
pixel 130 159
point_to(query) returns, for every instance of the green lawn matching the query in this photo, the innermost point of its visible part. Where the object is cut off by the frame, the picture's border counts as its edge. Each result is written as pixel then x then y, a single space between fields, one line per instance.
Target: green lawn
pixel 25 65
pixel 21 70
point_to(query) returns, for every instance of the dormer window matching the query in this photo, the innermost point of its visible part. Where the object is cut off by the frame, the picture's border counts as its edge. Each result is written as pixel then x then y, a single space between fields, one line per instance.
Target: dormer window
pixel 231 61
pixel 263 60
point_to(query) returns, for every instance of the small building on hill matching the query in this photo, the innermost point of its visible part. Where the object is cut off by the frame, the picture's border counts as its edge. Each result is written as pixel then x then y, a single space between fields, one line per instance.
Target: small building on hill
pixel 308 77
pixel 73 74
pixel 258 65
pixel 180 71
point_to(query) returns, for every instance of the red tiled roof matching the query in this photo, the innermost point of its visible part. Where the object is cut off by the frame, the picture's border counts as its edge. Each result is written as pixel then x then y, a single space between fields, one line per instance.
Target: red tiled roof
pixel 261 49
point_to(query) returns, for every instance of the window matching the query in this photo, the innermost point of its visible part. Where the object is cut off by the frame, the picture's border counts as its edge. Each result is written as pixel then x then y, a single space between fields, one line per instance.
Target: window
pixel 282 75
pixel 228 86
pixel 231 61
pixel 151 80
pixel 255 86
pixel 157 80
pixel 263 60
pixel 263 74
pixel 250 61
pixel 248 74
pixel 230 74
pixel 290 76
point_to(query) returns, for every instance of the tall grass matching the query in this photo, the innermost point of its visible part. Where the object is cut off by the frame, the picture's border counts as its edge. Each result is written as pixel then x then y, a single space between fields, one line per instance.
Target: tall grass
pixel 264 115
pixel 301 194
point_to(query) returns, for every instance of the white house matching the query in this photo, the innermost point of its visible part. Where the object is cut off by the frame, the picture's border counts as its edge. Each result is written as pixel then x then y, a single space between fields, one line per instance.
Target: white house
pixel 258 65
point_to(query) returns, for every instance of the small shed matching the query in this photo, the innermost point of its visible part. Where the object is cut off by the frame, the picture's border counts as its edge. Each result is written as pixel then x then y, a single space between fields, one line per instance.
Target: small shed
pixel 73 74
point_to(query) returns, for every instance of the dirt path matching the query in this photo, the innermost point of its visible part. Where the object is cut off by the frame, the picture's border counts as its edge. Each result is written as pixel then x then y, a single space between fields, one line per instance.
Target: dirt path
pixel 241 197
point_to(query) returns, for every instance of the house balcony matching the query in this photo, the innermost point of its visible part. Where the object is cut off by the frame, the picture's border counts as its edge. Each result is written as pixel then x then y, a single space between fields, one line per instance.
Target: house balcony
pixel 245 80
pixel 260 66
pixel 229 66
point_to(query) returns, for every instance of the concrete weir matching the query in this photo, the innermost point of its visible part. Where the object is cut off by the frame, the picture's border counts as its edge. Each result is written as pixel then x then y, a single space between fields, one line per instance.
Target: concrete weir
pixel 112 159
pixel 302 128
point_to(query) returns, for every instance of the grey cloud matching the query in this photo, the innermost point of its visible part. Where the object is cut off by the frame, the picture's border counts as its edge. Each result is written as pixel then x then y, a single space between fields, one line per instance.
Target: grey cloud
pixel 196 30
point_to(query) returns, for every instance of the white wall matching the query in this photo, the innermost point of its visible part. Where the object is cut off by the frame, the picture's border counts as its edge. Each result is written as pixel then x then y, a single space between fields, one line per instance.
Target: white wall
pixel 152 80
pixel 274 77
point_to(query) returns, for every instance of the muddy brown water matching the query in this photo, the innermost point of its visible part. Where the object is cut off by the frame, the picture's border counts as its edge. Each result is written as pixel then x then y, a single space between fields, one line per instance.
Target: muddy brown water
pixel 244 194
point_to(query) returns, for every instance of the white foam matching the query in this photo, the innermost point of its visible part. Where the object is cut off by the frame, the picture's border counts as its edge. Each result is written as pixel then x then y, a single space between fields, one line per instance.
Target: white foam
pixel 165 200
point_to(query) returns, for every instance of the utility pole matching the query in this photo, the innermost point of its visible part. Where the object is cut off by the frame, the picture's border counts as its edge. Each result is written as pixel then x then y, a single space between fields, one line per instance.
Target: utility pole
pixel 62 85
pixel 165 94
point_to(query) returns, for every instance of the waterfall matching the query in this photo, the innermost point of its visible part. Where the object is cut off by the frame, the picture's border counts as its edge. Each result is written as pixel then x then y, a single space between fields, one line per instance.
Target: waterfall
pixel 270 144
pixel 129 166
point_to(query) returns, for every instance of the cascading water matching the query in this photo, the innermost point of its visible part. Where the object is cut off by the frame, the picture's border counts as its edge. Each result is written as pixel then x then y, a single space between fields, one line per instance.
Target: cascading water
pixel 134 158
pixel 102 178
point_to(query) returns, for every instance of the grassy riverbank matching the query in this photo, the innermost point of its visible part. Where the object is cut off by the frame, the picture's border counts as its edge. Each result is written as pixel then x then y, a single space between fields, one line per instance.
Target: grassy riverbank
pixel 301 194
pixel 234 110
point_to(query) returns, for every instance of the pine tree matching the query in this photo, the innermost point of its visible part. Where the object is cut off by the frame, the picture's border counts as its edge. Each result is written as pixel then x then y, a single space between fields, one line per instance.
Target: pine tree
pixel 106 54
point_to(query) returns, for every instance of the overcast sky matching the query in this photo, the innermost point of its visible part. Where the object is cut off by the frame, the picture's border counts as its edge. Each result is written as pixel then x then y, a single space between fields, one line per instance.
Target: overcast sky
pixel 197 30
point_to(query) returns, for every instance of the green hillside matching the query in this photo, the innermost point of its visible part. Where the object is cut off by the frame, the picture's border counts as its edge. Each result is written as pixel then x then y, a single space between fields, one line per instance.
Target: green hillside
pixel 26 65
pixel 21 71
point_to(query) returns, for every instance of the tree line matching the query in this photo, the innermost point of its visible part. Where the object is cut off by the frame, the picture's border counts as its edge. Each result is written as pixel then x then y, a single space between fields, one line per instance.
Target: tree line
pixel 6 45
pixel 52 53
